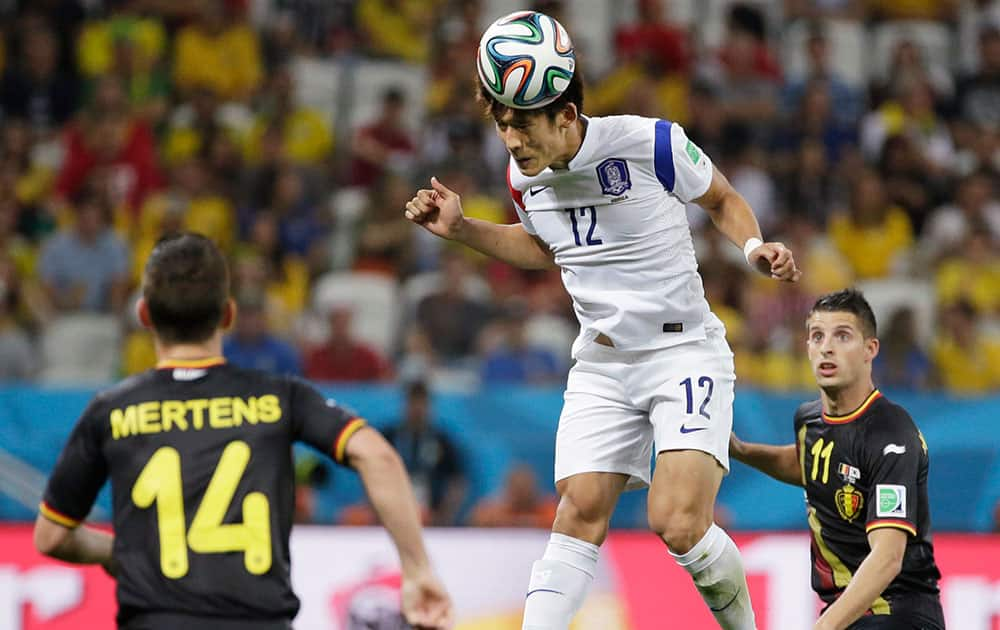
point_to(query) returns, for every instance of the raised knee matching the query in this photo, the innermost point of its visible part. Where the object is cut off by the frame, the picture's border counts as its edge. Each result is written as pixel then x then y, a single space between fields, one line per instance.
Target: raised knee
pixel 681 531
pixel 582 516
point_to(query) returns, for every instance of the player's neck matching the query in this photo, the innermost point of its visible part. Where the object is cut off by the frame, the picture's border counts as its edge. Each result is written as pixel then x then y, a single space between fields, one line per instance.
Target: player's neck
pixel 839 401
pixel 211 348
pixel 574 140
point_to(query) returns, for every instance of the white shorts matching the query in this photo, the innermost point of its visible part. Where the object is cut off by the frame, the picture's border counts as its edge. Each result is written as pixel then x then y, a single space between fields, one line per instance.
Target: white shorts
pixel 618 403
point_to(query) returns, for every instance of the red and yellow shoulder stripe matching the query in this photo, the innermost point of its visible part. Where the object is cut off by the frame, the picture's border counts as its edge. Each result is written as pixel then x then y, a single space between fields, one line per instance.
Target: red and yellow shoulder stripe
pixel 340 444
pixel 857 413
pixel 898 524
pixel 56 516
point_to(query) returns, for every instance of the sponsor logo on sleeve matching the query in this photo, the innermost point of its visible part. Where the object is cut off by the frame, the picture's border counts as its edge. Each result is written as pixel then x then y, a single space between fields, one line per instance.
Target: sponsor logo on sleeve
pixel 898 449
pixel 692 152
pixel 891 501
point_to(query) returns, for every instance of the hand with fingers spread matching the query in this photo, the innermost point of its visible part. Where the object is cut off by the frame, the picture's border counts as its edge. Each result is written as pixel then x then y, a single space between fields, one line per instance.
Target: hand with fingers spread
pixel 425 603
pixel 438 209
pixel 774 260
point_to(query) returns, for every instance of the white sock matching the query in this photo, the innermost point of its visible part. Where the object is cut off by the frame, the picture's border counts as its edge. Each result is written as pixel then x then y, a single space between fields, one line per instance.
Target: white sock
pixel 717 570
pixel 559 583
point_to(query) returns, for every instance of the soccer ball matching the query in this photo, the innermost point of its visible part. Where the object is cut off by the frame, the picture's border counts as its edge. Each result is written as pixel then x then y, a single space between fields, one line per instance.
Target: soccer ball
pixel 525 60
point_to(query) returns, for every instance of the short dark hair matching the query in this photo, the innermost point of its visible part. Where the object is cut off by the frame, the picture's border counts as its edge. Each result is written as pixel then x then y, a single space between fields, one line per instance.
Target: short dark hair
pixel 572 94
pixel 848 301
pixel 186 285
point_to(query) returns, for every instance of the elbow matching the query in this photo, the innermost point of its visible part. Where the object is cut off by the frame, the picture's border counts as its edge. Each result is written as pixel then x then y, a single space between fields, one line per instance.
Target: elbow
pixel 48 539
pixel 894 563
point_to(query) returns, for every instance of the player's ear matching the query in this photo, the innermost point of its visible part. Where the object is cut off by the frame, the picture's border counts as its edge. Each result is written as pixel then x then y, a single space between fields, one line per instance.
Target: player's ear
pixel 871 348
pixel 142 312
pixel 228 315
pixel 570 114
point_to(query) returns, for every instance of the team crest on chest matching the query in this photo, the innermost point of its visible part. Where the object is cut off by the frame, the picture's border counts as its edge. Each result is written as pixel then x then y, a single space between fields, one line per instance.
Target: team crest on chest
pixel 614 177
pixel 849 502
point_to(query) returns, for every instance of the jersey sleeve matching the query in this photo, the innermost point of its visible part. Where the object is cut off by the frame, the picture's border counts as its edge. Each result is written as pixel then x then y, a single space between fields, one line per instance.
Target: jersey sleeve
pixel 894 455
pixel 322 423
pixel 79 473
pixel 518 198
pixel 680 165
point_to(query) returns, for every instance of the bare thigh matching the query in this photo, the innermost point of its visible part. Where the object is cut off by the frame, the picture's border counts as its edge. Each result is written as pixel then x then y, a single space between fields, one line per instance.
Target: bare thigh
pixel 681 504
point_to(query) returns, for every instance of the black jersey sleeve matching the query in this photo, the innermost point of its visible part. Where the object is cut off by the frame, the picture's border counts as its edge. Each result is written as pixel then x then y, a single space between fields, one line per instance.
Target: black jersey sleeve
pixel 893 452
pixel 79 472
pixel 321 423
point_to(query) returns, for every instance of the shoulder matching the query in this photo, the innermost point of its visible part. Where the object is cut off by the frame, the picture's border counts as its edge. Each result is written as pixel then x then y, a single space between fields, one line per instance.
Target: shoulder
pixel 888 418
pixel 615 126
pixel 808 411
pixel 125 387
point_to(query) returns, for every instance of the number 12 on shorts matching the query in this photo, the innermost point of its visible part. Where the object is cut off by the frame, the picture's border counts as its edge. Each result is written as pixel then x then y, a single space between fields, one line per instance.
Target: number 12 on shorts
pixel 706 385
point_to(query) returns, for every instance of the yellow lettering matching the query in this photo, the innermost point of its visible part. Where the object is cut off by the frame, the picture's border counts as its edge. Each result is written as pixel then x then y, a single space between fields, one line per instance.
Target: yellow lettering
pixel 244 410
pixel 197 407
pixel 220 413
pixel 173 414
pixel 124 423
pixel 149 417
pixel 268 408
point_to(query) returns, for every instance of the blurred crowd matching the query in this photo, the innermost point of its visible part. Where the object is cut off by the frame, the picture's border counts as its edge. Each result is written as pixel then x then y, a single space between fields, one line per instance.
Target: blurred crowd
pixel 866 135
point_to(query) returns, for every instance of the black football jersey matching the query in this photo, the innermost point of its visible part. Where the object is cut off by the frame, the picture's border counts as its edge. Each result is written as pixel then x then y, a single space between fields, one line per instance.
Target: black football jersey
pixel 863 471
pixel 199 455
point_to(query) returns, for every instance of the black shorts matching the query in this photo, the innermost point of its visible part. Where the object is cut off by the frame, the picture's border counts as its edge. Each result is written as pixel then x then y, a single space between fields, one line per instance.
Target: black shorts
pixel 908 613
pixel 173 621
pixel 896 622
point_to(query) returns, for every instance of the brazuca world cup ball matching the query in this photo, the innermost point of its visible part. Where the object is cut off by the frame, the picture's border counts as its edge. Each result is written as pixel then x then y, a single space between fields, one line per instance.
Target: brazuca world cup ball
pixel 526 60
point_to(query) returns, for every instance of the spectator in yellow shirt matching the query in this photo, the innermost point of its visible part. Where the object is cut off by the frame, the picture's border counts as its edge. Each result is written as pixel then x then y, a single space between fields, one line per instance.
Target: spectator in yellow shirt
pixel 132 46
pixel 972 274
pixel 397 28
pixel 306 134
pixel 872 235
pixel 967 362
pixel 219 53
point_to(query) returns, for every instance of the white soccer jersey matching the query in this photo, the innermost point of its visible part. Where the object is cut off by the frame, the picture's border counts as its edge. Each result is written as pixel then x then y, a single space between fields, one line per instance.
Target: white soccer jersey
pixel 616 223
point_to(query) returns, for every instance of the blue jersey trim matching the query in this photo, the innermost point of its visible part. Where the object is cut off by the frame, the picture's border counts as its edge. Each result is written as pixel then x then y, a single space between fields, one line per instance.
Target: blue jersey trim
pixel 663 157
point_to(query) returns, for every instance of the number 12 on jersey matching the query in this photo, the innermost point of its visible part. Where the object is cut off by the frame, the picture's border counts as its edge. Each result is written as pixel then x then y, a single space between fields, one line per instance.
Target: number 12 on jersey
pixel 583 213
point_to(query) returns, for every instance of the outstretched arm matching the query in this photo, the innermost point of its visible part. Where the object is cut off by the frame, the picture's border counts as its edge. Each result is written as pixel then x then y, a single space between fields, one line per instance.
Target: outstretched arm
pixel 734 217
pixel 780 462
pixel 439 211
pixel 425 602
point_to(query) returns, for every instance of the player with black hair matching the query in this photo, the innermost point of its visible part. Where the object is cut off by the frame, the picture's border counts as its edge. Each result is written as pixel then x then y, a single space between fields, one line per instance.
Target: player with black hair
pixel 863 464
pixel 199 454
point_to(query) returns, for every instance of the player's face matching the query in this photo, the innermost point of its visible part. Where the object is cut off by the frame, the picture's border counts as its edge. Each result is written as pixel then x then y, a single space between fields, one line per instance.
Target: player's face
pixel 838 351
pixel 533 140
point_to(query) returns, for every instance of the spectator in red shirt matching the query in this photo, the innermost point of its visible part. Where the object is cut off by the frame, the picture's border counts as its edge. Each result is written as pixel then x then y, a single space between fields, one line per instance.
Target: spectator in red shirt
pixel 342 358
pixel 650 38
pixel 109 138
pixel 383 145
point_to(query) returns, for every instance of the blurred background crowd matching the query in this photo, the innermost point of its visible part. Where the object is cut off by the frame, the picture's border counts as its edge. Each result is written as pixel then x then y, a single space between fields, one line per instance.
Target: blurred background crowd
pixel 864 133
